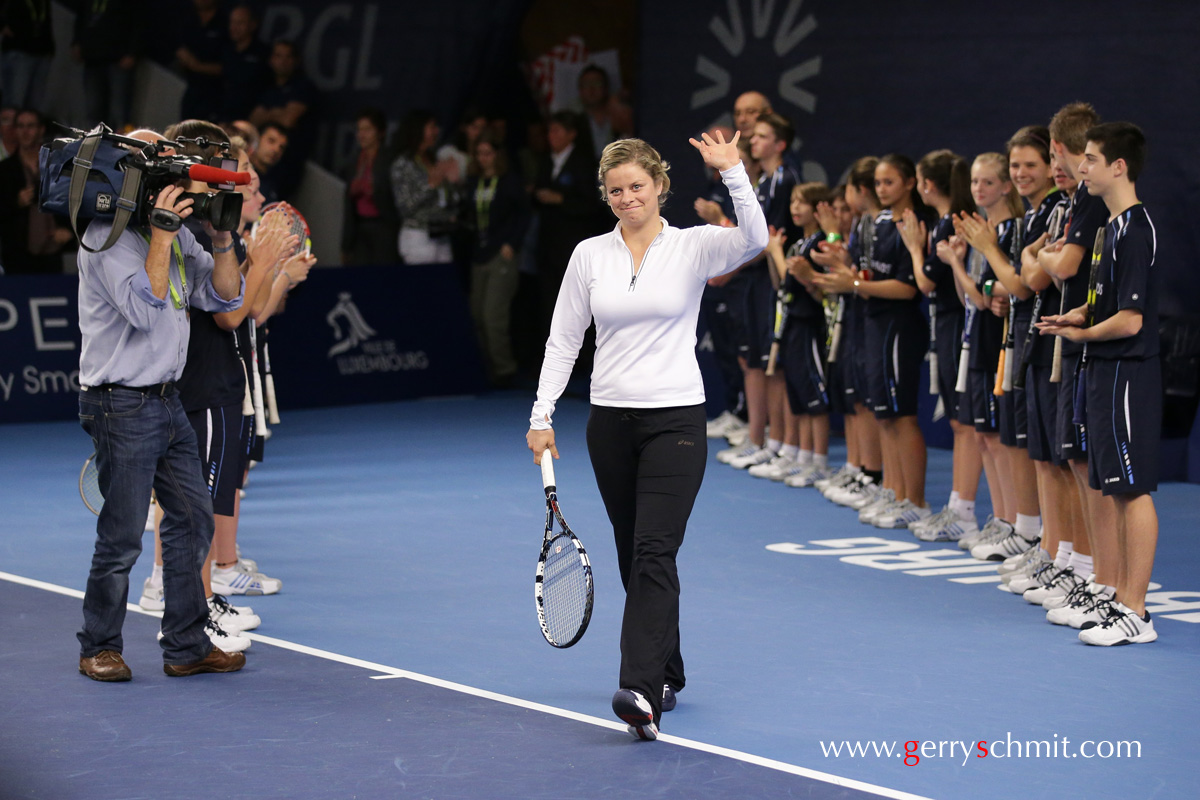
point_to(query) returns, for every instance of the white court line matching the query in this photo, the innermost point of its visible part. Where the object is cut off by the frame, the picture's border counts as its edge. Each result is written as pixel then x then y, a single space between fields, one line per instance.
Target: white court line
pixel 387 672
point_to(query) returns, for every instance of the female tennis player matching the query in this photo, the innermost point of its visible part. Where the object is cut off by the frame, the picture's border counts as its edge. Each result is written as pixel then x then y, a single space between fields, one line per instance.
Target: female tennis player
pixel 642 284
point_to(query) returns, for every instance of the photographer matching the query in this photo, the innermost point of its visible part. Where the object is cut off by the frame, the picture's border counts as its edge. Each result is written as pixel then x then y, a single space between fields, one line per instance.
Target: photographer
pixel 133 314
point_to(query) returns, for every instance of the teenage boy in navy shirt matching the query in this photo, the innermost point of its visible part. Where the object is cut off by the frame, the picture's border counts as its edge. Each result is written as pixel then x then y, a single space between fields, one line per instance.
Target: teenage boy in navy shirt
pixel 1118 327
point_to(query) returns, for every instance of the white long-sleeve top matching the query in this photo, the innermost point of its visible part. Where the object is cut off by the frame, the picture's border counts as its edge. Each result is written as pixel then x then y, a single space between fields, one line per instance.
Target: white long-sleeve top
pixel 645 323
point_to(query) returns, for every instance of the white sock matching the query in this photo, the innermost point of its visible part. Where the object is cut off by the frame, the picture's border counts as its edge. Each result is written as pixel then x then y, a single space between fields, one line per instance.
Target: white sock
pixel 1063 556
pixel 964 508
pixel 156 575
pixel 954 497
pixel 1081 564
pixel 774 445
pixel 790 451
pixel 223 571
pixel 821 460
pixel 1028 527
pixel 853 469
pixel 804 457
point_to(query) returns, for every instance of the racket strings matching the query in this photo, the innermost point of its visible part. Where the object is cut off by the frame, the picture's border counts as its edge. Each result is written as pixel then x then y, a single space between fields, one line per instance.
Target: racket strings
pixel 564 589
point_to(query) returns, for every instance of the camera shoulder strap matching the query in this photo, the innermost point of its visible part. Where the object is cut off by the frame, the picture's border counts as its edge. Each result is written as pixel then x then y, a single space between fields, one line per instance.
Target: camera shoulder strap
pixel 126 201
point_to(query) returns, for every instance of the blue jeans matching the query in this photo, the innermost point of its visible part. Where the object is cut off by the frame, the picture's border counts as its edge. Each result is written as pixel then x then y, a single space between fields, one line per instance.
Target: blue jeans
pixel 144 441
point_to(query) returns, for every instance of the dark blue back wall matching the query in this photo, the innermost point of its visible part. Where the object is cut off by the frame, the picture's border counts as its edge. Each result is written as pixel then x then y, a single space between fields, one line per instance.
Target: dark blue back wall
pixel 876 77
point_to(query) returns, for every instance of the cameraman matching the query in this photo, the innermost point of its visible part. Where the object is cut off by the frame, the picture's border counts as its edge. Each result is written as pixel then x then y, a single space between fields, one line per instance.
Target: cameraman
pixel 133 314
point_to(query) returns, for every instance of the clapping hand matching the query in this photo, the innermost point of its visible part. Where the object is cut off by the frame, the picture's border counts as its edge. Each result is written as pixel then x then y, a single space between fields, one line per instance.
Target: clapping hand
pixel 708 211
pixel 952 251
pixel 913 231
pixel 718 153
pixel 827 218
pixel 975 230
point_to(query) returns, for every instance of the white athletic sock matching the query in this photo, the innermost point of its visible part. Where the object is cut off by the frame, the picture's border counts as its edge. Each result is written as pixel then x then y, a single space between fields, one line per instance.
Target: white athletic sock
pixel 1081 564
pixel 964 508
pixel 804 457
pixel 854 469
pixel 1063 556
pixel 821 460
pixel 156 575
pixel 774 445
pixel 224 572
pixel 1028 527
pixel 790 451
pixel 954 497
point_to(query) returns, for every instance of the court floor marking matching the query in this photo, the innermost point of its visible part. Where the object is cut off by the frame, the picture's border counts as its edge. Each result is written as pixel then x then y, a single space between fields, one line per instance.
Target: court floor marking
pixel 388 672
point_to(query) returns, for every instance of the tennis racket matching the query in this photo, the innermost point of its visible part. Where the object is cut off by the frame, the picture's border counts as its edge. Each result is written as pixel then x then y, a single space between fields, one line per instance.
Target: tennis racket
pixel 563 585
pixel 285 214
pixel 781 300
pixel 974 271
pixel 89 486
pixel 272 407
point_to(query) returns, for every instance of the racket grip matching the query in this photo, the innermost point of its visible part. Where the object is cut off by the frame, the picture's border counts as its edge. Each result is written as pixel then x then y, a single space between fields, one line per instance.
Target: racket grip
pixel 772 357
pixel 835 341
pixel 964 363
pixel 1009 364
pixel 247 402
pixel 1056 368
pixel 548 471
pixel 272 409
pixel 998 387
pixel 933 372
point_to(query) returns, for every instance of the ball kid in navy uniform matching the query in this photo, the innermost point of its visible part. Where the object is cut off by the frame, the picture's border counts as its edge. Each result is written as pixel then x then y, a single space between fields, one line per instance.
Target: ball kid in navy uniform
pixel 1117 325
pixel 1069 264
pixel 863 473
pixel 802 351
pixel 764 396
pixel 944 182
pixel 994 193
pixel 895 341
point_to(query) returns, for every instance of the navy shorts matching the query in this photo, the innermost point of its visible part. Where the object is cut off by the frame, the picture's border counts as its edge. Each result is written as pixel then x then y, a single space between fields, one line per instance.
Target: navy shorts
pixel 1041 408
pixel 894 347
pixel 982 407
pixel 1124 424
pixel 758 317
pixel 804 367
pixel 948 346
pixel 1014 419
pixel 1071 439
pixel 222 457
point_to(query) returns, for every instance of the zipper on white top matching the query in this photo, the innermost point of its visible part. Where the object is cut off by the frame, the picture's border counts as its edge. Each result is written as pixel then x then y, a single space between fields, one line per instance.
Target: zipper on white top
pixel 632 270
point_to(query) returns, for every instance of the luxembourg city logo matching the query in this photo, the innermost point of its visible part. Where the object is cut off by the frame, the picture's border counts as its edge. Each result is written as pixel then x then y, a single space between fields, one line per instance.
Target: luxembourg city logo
pixel 357 351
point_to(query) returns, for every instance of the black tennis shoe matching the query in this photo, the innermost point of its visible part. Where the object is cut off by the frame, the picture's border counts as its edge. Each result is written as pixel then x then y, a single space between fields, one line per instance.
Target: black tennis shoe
pixel 668 698
pixel 635 710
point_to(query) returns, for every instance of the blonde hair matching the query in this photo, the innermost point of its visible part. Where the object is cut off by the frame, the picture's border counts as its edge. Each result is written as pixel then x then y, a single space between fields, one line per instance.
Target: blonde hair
pixel 999 162
pixel 638 153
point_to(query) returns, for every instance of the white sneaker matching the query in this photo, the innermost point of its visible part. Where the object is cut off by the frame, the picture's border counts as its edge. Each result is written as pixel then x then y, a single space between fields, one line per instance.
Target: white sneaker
pixel 1011 545
pixel 1014 564
pixel 729 454
pixel 760 455
pixel 221 638
pixel 1085 611
pixel 1062 584
pixel 949 528
pixel 231 618
pixel 776 469
pixel 903 515
pixel 1122 626
pixel 855 494
pixel 237 581
pixel 844 475
pixel 809 475
pixel 723 424
pixel 989 529
pixel 1036 572
pixel 738 437
pixel 152 596
pixel 882 499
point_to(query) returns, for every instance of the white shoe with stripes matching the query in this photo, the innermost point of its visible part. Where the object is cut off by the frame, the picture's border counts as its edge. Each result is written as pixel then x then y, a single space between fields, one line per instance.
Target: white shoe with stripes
pixel 1122 626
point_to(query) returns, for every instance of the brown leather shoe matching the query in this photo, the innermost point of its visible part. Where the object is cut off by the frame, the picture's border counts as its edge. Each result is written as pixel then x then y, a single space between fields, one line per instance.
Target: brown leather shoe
pixel 107 665
pixel 216 661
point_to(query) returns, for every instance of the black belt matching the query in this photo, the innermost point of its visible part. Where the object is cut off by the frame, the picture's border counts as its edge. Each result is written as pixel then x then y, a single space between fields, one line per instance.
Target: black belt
pixel 162 389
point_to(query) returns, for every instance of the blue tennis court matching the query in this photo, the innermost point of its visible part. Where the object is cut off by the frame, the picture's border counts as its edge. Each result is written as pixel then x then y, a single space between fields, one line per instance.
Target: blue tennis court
pixel 403 657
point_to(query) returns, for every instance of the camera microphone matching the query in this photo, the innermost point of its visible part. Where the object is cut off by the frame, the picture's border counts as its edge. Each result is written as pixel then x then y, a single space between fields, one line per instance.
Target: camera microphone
pixel 207 174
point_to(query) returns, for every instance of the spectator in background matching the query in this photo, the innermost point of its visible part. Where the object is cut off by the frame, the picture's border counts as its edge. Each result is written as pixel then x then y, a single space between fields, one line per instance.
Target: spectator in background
pixel 249 134
pixel 608 118
pixel 266 156
pixel 496 211
pixel 245 73
pixel 474 122
pixel 27 45
pixel 202 42
pixel 8 130
pixel 425 193
pixel 567 201
pixel 288 100
pixel 747 108
pixel 31 241
pixel 370 224
pixel 108 41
